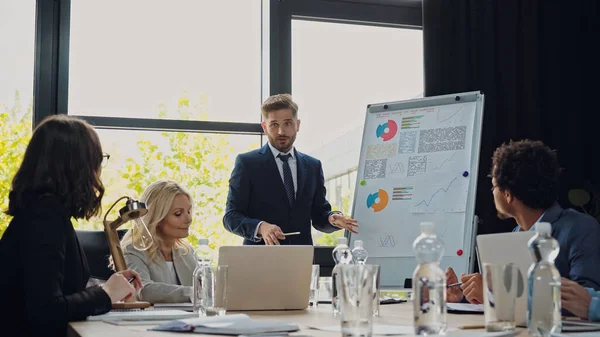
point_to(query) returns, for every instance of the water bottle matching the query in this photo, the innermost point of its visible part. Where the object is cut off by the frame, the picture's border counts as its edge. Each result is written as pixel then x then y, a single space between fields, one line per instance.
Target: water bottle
pixel 543 281
pixel 341 255
pixel 359 253
pixel 204 256
pixel 429 283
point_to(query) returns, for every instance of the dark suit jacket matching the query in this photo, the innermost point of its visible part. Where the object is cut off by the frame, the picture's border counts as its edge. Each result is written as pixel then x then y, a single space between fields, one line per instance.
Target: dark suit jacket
pixel 578 236
pixel 44 273
pixel 257 193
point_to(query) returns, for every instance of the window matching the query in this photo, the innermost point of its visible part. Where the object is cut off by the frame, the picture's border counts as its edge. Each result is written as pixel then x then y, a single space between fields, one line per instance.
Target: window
pixel 17 37
pixel 337 70
pixel 138 58
pixel 200 162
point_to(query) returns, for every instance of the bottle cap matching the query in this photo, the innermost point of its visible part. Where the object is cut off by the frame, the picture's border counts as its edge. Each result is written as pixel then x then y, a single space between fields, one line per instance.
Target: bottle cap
pixel 342 241
pixel 358 243
pixel 428 227
pixel 543 228
pixel 203 242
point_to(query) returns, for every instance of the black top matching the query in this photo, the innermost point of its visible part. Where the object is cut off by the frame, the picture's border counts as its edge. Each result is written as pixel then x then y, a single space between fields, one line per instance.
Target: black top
pixel 44 273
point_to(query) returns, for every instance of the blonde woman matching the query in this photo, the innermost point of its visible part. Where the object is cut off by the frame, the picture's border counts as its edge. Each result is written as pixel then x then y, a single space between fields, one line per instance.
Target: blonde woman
pixel 166 268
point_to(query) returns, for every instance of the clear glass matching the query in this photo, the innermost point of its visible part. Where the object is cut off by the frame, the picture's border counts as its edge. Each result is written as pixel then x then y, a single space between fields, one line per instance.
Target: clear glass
pixel 314 286
pixel 210 290
pixel 499 295
pixel 146 57
pixel 325 288
pixel 356 299
pixel 377 286
pixel 543 305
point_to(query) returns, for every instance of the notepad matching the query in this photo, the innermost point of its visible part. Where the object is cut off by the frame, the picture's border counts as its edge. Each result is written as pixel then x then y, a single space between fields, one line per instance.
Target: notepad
pixel 187 306
pixel 143 315
pixel 464 308
pixel 239 324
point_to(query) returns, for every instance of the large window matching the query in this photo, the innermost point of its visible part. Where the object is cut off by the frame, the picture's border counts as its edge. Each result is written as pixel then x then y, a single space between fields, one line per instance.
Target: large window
pixel 337 70
pixel 200 162
pixel 127 58
pixel 17 36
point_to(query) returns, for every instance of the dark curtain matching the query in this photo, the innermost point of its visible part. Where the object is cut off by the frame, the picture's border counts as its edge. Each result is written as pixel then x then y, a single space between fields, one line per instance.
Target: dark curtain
pixel 537 62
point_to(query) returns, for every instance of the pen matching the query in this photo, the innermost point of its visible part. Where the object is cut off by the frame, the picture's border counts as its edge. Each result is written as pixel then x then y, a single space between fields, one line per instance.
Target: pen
pixel 454 285
pixel 292 233
pixel 131 279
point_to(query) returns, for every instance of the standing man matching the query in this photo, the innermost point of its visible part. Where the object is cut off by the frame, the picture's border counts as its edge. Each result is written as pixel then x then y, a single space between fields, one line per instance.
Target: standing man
pixel 276 189
pixel 525 178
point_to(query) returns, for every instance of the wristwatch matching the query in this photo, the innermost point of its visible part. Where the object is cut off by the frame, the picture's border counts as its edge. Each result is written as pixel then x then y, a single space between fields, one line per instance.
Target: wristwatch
pixel 332 213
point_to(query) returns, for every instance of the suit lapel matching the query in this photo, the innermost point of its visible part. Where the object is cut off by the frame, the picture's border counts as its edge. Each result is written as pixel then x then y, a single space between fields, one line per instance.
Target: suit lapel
pixel 183 272
pixel 300 173
pixel 273 174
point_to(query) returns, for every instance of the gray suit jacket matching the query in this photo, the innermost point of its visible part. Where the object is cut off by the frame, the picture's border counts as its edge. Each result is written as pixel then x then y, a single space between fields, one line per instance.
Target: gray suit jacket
pixel 155 275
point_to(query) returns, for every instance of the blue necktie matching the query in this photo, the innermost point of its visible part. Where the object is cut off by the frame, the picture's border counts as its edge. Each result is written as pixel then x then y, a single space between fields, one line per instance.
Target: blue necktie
pixel 288 181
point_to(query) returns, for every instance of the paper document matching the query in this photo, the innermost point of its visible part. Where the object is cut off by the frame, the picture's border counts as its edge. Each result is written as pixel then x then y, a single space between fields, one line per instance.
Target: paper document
pixel 226 325
pixel 188 306
pixel 378 329
pixel 465 307
pixel 143 315
pixel 579 326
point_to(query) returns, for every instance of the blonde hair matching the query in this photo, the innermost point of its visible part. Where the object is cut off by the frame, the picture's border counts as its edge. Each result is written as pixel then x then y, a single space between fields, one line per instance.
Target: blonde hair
pixel 158 198
pixel 278 102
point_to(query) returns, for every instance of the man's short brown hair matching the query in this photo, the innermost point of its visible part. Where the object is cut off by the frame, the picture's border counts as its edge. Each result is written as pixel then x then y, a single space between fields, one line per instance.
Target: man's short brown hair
pixel 278 102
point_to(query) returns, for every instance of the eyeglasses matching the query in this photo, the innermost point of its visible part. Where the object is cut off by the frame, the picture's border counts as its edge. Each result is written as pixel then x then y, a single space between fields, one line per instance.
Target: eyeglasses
pixel 105 157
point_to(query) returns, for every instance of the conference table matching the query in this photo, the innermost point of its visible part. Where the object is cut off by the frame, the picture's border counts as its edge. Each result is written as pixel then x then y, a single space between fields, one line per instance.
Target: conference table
pixel 395 314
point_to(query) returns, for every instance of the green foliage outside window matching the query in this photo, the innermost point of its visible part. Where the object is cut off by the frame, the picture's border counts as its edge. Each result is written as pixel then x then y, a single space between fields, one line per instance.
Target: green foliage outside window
pixel 200 162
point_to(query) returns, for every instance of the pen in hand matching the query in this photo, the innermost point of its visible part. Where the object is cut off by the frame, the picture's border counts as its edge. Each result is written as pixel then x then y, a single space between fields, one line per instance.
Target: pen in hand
pixel 454 285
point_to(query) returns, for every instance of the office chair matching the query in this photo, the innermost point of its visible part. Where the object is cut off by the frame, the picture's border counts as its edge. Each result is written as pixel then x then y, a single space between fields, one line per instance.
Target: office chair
pixel 323 256
pixel 95 247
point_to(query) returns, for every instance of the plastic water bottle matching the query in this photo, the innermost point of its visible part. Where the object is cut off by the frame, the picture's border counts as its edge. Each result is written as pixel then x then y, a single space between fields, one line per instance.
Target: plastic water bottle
pixel 359 253
pixel 341 255
pixel 204 256
pixel 429 283
pixel 543 301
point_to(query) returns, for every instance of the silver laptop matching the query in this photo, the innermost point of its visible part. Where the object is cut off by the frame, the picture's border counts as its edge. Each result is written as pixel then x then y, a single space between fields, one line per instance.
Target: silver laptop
pixel 267 277
pixel 505 248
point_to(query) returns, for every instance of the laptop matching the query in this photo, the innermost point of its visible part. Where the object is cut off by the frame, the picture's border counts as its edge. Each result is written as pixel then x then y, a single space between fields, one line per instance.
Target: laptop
pixel 267 277
pixel 505 248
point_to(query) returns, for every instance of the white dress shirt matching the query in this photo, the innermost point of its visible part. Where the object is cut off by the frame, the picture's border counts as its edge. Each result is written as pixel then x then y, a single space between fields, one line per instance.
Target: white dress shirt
pixel 292 161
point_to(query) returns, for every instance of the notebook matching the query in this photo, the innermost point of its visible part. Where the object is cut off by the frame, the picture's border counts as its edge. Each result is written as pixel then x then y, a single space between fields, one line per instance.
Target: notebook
pixel 239 324
pixel 142 315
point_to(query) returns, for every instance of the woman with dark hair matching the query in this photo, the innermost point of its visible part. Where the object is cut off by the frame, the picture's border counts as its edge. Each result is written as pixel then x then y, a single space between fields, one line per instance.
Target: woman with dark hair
pixel 44 269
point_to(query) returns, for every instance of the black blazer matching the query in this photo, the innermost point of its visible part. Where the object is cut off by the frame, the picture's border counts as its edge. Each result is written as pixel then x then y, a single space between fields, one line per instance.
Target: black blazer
pixel 44 273
pixel 257 193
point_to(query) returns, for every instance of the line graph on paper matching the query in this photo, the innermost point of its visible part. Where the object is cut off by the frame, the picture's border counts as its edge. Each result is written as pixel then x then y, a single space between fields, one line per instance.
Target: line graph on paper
pixel 453 114
pixel 441 162
pixel 447 195
pixel 396 169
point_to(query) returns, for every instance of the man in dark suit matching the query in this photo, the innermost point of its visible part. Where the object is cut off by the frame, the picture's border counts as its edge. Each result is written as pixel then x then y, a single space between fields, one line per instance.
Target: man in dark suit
pixel 277 189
